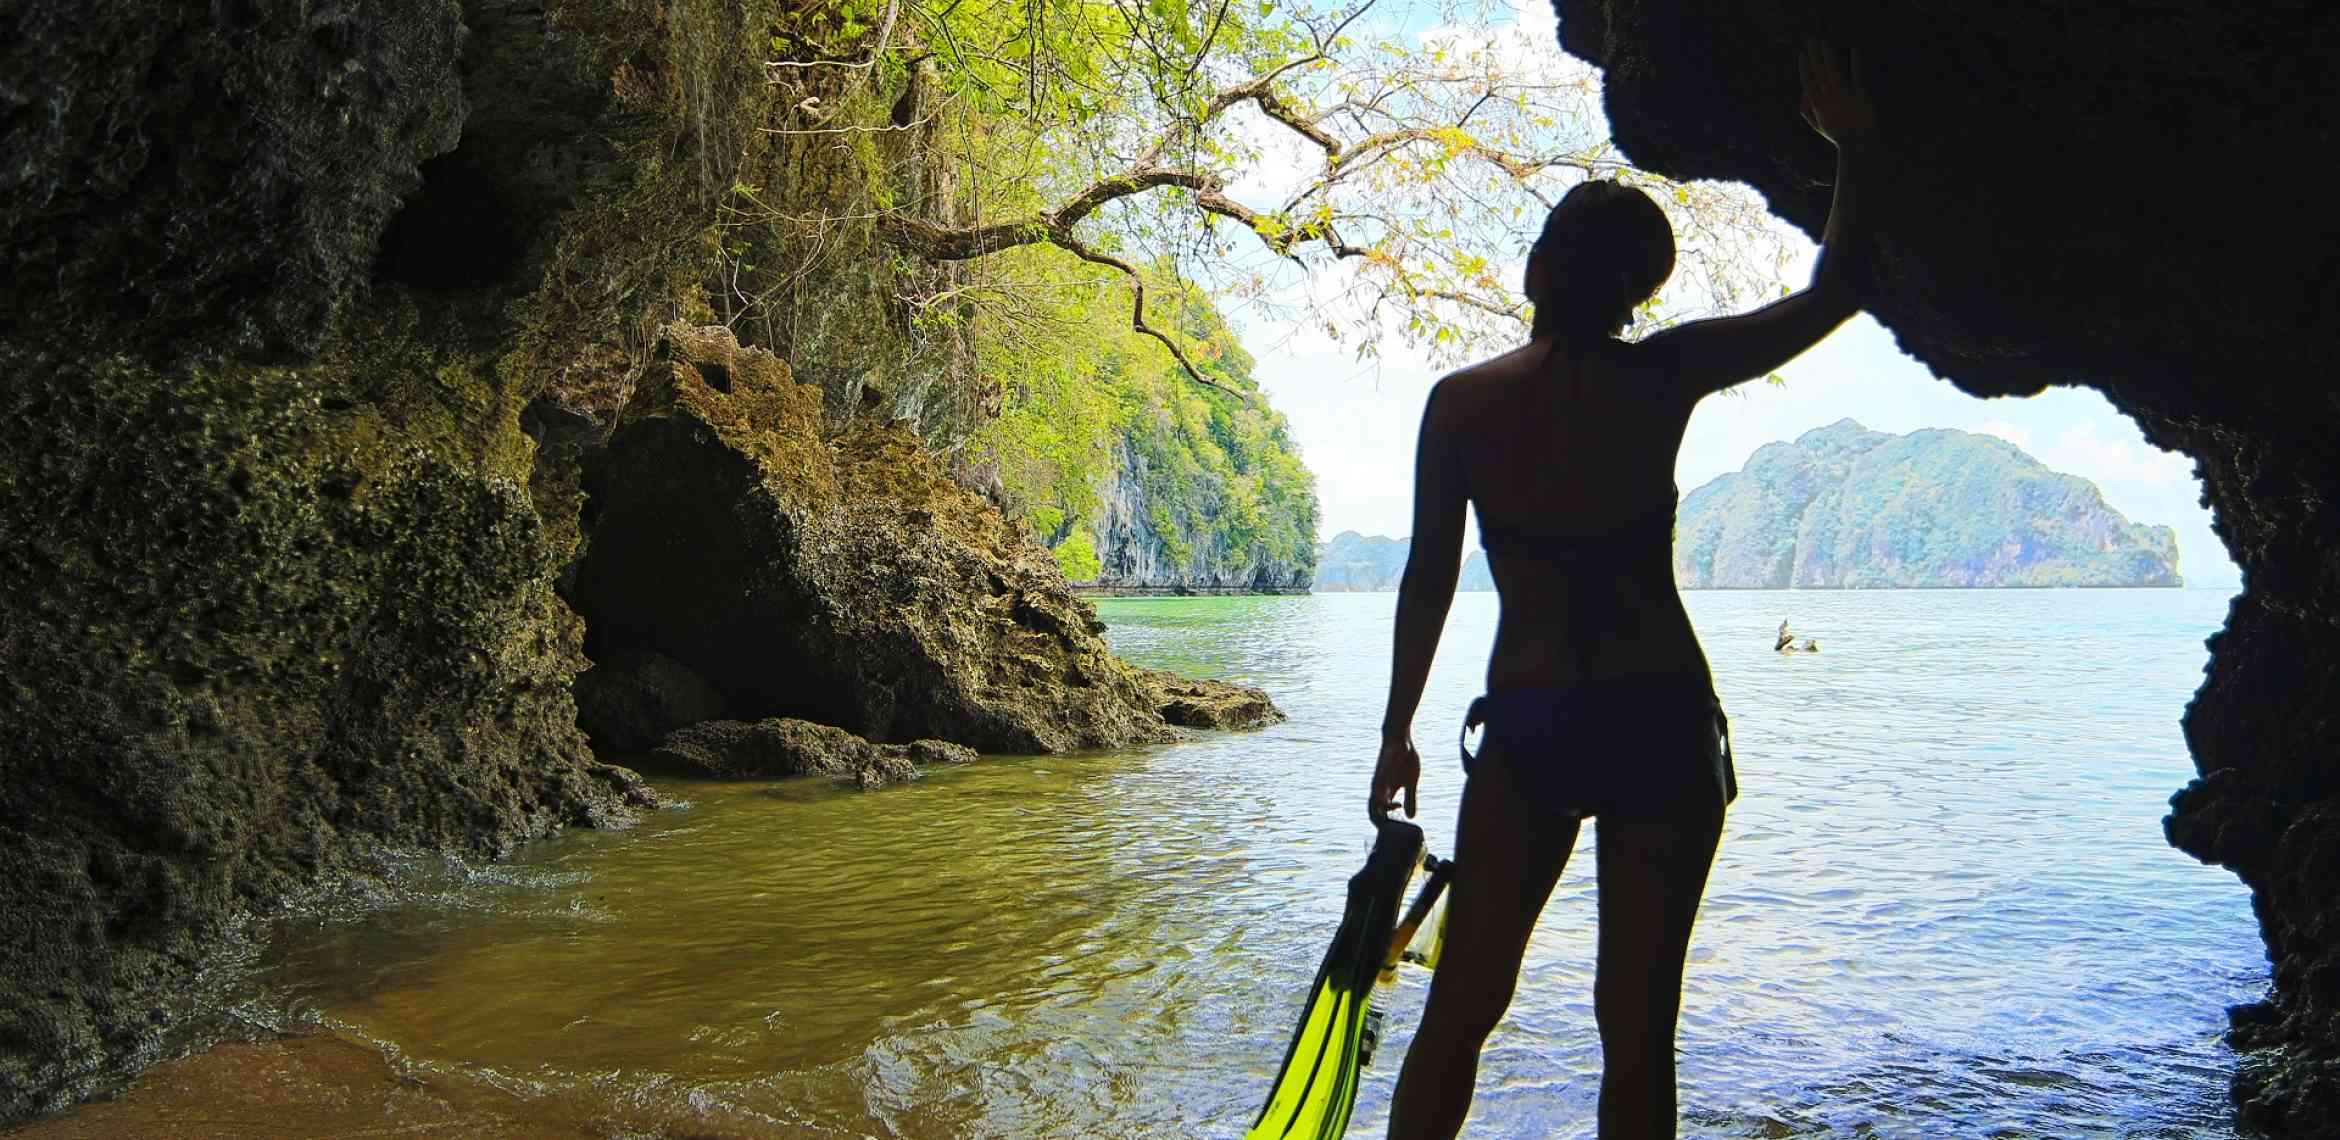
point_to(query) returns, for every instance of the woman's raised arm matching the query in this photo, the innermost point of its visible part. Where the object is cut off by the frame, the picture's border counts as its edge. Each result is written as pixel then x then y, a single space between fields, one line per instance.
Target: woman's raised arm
pixel 1711 355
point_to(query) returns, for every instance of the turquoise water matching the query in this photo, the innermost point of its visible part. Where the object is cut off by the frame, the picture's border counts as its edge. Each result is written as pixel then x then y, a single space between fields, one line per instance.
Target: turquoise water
pixel 1943 906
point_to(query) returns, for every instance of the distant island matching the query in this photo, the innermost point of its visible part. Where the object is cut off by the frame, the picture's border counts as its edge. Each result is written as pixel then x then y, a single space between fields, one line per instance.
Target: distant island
pixel 1844 507
pixel 1361 563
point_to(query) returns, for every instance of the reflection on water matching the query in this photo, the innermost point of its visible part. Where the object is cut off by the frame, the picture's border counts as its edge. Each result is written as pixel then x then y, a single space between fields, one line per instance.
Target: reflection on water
pixel 1942 908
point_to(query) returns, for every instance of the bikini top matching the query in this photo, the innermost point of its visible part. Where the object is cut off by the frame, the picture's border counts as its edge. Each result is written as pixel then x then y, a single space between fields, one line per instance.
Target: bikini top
pixel 1652 528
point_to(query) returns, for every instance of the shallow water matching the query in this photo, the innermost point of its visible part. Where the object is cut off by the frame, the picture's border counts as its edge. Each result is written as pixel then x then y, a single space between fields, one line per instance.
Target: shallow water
pixel 1943 905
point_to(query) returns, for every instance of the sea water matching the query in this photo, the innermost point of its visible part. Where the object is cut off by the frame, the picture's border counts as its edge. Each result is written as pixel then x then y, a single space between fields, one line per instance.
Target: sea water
pixel 1942 907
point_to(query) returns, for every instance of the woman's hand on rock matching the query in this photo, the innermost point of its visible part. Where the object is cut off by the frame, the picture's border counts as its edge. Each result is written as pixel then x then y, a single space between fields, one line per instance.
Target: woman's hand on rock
pixel 1398 770
pixel 1836 103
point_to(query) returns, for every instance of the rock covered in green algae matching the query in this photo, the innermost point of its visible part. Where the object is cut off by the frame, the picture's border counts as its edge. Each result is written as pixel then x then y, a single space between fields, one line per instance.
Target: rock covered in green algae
pixel 784 746
pixel 843 579
pixel 250 631
pixel 1194 703
pixel 275 573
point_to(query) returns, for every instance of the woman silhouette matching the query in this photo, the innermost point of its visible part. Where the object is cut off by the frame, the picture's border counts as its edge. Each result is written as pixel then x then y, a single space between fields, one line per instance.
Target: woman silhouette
pixel 1598 700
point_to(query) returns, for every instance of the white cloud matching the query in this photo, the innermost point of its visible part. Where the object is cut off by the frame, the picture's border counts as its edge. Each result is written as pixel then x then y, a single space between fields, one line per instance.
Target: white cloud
pixel 2109 461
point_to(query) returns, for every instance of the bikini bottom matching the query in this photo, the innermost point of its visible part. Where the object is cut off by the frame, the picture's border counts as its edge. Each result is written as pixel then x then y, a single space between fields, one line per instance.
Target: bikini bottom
pixel 1644 746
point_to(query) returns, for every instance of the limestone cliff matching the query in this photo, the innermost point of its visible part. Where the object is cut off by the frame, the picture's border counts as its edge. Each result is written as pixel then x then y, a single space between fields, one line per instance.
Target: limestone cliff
pixel 1149 537
pixel 1144 481
pixel 1844 507
pixel 2029 232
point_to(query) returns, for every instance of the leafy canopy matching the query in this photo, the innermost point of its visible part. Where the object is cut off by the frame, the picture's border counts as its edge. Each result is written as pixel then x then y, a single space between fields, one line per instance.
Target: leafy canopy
pixel 1372 171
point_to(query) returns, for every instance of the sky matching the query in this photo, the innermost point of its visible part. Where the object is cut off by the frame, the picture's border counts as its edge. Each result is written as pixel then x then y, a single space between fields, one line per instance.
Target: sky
pixel 1355 421
pixel 1355 426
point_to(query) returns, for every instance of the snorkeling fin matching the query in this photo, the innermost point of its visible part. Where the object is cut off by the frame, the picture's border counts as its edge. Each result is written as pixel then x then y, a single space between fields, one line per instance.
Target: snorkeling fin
pixel 1317 1086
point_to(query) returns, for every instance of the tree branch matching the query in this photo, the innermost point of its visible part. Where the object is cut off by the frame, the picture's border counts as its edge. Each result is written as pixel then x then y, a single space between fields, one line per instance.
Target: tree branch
pixel 960 243
pixel 1137 310
pixel 1482 304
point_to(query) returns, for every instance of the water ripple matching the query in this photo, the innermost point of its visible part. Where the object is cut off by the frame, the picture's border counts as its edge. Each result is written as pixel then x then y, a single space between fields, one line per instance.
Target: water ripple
pixel 1942 908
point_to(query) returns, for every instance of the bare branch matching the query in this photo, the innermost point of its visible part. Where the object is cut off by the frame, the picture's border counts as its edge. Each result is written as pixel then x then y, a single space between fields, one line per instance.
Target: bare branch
pixel 958 243
pixel 1137 311
pixel 1510 312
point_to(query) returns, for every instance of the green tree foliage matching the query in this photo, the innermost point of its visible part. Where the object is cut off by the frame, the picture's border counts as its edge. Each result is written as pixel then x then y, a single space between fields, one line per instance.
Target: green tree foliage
pixel 1011 221
pixel 1213 467
pixel 1380 171
pixel 1077 554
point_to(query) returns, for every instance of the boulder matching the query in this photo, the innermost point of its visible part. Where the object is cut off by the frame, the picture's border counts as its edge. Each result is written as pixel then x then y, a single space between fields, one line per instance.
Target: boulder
pixel 837 578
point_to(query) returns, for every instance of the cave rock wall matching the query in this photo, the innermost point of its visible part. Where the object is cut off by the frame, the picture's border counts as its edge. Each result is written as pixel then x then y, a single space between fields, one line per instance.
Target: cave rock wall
pixel 278 279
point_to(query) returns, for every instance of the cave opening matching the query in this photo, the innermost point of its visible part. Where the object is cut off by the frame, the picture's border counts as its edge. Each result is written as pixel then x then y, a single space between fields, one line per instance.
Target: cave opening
pixel 460 231
pixel 2073 714
pixel 673 637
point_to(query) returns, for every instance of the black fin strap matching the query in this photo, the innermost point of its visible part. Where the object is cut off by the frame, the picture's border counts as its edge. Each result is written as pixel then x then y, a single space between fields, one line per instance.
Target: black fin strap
pixel 1472 719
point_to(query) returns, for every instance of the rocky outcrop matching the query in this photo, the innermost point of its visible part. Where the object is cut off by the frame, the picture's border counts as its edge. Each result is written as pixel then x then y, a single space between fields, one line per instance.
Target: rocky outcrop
pixel 844 580
pixel 312 316
pixel 1844 507
pixel 1207 704
pixel 212 175
pixel 783 747
pixel 252 629
pixel 2202 306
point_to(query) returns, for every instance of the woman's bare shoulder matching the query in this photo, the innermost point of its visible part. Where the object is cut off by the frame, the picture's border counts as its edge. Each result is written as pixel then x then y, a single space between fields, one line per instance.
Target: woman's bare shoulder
pixel 1475 384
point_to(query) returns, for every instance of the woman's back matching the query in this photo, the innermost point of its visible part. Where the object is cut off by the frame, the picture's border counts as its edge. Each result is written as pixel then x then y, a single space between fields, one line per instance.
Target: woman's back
pixel 1569 464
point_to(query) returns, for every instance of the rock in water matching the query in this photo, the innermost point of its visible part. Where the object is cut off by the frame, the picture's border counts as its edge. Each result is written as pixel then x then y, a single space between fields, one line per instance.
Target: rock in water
pixel 783 746
pixel 1208 704
pixel 842 579
pixel 1354 562
pixel 1357 563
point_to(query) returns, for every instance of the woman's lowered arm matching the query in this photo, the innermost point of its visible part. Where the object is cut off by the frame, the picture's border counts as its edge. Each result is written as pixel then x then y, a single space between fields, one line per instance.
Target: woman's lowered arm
pixel 1433 564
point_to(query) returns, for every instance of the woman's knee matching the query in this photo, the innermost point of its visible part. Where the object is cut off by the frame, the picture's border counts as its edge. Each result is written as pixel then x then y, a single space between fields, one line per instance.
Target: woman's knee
pixel 1470 1006
pixel 1637 1016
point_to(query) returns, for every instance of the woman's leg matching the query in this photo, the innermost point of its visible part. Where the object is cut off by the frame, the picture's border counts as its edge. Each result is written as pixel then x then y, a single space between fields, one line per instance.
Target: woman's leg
pixel 1652 873
pixel 1507 857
